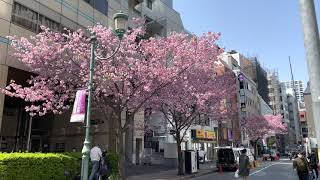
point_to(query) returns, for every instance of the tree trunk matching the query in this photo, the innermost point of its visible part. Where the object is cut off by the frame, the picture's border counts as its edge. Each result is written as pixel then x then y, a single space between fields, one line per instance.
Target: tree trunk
pixel 119 145
pixel 180 159
pixel 255 145
pixel 121 164
pixel 129 137
pixel 112 143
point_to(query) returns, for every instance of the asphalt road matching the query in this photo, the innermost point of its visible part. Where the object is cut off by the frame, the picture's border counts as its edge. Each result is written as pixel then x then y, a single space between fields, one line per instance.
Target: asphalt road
pixel 280 170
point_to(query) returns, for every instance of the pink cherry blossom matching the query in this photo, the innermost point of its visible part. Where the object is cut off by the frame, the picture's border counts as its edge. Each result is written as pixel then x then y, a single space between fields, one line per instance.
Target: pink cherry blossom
pixel 177 71
pixel 261 126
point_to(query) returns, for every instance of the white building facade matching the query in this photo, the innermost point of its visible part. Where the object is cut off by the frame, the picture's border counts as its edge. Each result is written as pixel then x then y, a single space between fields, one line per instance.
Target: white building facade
pixel 295 125
pixel 298 86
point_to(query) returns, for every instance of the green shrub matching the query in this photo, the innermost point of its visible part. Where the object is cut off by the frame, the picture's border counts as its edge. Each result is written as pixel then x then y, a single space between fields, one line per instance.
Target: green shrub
pixel 113 160
pixel 47 166
pixel 38 166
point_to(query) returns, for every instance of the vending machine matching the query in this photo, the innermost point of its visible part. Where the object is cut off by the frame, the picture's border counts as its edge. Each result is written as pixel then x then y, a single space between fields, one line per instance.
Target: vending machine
pixel 191 162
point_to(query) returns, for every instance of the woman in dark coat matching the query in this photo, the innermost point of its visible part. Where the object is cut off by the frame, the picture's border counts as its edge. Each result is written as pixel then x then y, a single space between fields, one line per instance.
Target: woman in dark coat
pixel 105 167
pixel 244 165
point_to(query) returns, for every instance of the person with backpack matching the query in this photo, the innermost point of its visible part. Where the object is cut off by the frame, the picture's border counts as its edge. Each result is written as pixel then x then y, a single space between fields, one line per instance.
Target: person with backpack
pixel 300 164
pixel 314 163
pixel 105 167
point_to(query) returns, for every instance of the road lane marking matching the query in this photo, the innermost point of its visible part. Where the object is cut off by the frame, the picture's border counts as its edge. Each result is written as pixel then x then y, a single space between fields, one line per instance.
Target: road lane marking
pixel 285 163
pixel 263 169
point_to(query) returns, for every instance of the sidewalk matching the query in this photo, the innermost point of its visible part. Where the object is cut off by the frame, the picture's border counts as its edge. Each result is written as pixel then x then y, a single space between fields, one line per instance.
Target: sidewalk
pixel 161 173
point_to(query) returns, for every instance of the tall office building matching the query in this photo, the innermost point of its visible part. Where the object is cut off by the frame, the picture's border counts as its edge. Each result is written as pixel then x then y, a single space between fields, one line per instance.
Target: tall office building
pixel 279 102
pixel 298 86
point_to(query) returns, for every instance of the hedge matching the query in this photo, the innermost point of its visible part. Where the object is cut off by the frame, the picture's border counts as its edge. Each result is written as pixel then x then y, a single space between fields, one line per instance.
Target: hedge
pixel 38 166
pixel 113 160
pixel 46 166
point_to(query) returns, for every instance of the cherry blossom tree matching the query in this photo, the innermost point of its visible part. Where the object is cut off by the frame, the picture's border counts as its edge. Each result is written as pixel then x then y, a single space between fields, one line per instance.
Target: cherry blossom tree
pixel 198 93
pixel 257 127
pixel 276 124
pixel 139 71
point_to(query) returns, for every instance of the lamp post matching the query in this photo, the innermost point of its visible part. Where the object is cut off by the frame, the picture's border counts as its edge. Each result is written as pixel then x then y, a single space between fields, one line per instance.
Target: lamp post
pixel 120 21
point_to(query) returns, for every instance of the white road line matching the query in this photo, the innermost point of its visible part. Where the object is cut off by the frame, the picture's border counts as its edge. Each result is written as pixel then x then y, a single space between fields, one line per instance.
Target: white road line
pixel 263 169
pixel 286 163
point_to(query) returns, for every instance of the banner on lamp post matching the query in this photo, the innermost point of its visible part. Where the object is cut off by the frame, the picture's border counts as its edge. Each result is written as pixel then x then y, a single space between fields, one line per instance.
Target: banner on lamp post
pixel 79 107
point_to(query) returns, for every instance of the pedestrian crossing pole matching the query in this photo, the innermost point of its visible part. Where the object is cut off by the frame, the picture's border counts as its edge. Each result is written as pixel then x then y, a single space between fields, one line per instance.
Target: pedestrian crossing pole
pixel 312 47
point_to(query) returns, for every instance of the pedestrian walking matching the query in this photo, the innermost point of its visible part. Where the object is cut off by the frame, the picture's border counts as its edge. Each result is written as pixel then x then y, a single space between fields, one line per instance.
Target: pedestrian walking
pixel 244 165
pixel 290 156
pixel 314 163
pixel 300 164
pixel 95 156
pixel 105 167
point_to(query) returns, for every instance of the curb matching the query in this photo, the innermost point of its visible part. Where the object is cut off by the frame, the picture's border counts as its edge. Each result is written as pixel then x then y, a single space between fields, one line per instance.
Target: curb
pixel 199 174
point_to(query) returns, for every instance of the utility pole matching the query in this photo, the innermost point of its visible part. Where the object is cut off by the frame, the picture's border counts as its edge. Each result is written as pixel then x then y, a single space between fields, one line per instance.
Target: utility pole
pixel 312 46
pixel 87 141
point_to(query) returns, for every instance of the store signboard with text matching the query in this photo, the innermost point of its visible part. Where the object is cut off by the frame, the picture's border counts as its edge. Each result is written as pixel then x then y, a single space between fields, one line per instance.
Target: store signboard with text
pixel 200 134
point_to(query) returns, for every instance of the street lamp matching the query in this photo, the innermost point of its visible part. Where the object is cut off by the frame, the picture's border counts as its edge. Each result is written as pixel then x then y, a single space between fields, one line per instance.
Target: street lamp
pixel 120 24
pixel 120 20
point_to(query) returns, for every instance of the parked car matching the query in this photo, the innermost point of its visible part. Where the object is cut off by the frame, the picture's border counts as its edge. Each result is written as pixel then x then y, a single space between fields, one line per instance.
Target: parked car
pixel 228 157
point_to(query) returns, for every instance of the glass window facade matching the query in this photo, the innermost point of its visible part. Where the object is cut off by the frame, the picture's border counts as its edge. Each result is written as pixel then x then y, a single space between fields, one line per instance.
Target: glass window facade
pixel 100 5
pixel 25 17
pixel 149 4
pixel 31 20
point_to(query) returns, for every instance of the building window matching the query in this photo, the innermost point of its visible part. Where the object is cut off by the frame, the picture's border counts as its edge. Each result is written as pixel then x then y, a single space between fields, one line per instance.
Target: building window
pixel 25 17
pixel 149 4
pixel 54 26
pixel 60 147
pixel 31 20
pixel 100 5
pixel 305 130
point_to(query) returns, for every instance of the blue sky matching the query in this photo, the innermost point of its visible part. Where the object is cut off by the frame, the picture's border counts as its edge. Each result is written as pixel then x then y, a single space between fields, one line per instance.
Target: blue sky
pixel 268 29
